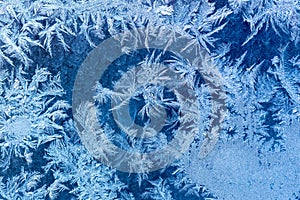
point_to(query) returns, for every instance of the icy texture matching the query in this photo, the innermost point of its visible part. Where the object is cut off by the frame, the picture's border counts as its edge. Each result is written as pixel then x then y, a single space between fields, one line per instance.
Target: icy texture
pixel 23 186
pixel 255 45
pixel 30 113
pixel 71 165
pixel 234 170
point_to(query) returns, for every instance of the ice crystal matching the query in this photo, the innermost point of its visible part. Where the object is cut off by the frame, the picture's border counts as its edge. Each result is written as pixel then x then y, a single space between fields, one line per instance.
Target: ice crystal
pixel 23 186
pixel 255 44
pixel 73 166
pixel 31 111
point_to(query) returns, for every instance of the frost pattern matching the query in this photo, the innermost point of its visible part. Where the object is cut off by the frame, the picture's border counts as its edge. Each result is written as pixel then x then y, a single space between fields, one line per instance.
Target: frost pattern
pixel 30 113
pixel 234 170
pixel 159 191
pixel 148 105
pixel 23 186
pixel 255 42
pixel 72 165
pixel 42 24
pixel 280 15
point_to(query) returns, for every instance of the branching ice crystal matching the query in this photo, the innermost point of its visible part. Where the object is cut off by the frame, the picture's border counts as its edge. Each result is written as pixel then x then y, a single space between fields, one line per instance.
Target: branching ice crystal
pixel 30 113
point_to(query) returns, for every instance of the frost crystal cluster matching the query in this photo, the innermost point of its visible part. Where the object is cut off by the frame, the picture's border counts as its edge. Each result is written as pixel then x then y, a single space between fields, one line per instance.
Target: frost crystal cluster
pixel 247 128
